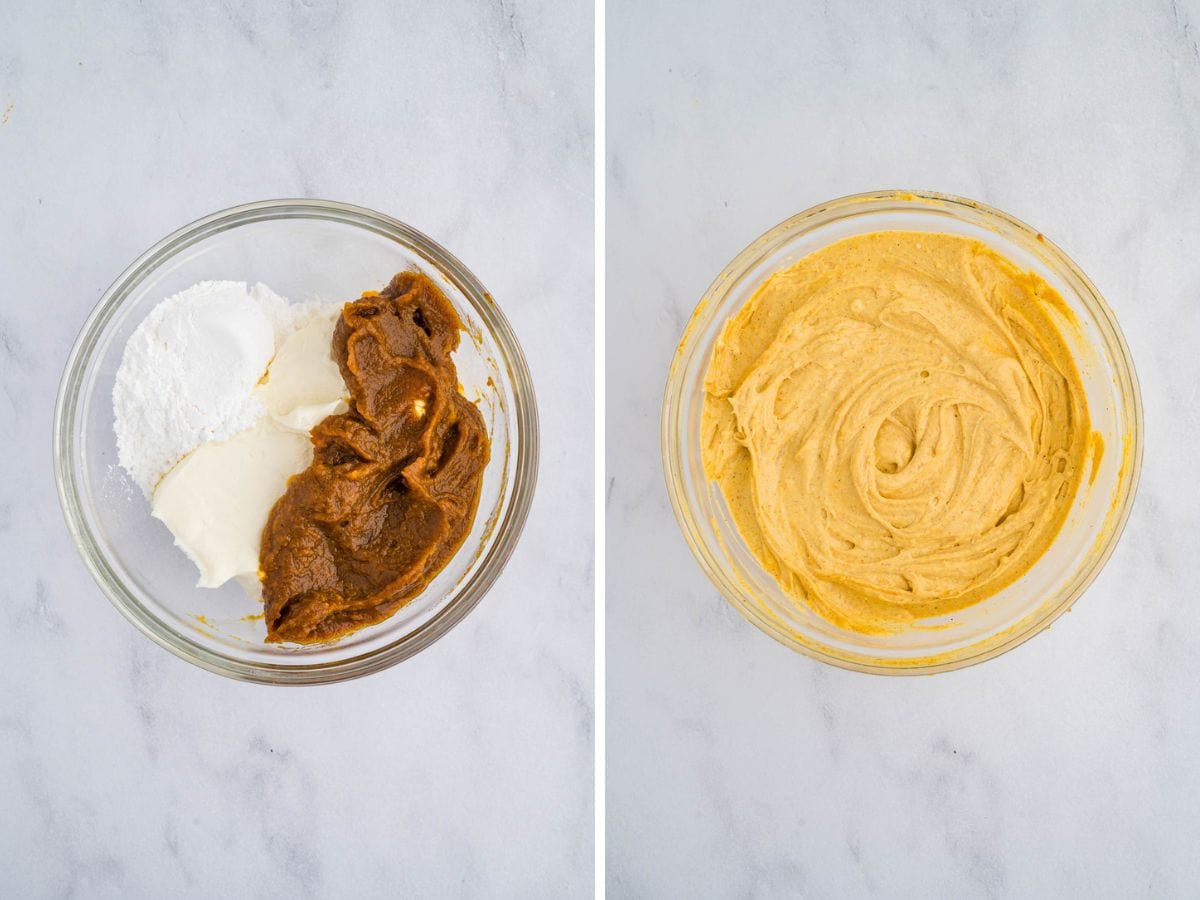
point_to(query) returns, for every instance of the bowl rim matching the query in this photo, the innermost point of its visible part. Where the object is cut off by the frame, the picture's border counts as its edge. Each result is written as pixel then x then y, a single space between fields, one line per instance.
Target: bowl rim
pixel 506 530
pixel 674 401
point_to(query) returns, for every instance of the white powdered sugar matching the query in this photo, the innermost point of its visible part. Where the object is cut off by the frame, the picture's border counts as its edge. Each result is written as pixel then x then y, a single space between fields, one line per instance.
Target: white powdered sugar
pixel 189 371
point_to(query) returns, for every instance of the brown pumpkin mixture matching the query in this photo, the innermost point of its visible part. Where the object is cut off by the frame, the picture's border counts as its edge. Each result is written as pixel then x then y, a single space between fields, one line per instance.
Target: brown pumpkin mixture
pixel 394 483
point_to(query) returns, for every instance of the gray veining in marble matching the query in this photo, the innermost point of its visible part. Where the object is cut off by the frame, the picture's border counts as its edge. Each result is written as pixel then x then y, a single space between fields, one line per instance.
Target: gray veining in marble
pixel 1070 766
pixel 464 771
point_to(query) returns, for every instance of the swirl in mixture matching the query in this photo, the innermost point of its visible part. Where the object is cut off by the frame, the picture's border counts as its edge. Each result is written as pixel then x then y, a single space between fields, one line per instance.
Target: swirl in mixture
pixel 897 426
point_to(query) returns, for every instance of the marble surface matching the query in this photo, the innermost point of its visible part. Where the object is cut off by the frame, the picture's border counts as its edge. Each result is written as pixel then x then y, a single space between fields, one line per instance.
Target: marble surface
pixel 464 771
pixel 1068 767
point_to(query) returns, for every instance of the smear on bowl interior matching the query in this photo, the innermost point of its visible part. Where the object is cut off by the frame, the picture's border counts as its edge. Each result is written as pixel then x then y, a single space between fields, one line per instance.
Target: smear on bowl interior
pixel 320 455
pixel 897 426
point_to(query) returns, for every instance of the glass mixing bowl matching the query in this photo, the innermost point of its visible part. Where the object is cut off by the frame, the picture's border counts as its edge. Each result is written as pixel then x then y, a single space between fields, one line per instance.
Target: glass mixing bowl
pixel 304 250
pixel 1009 617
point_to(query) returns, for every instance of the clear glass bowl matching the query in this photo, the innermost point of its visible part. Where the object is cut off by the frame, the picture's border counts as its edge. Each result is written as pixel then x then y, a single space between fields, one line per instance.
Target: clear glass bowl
pixel 1004 620
pixel 305 250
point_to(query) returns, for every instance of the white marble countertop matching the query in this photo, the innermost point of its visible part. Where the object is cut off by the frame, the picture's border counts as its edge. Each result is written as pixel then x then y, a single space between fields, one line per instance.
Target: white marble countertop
pixel 464 771
pixel 1068 767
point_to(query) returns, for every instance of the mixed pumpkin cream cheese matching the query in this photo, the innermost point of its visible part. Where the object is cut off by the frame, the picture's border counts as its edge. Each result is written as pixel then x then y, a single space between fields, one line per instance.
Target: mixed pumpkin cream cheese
pixel 897 426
